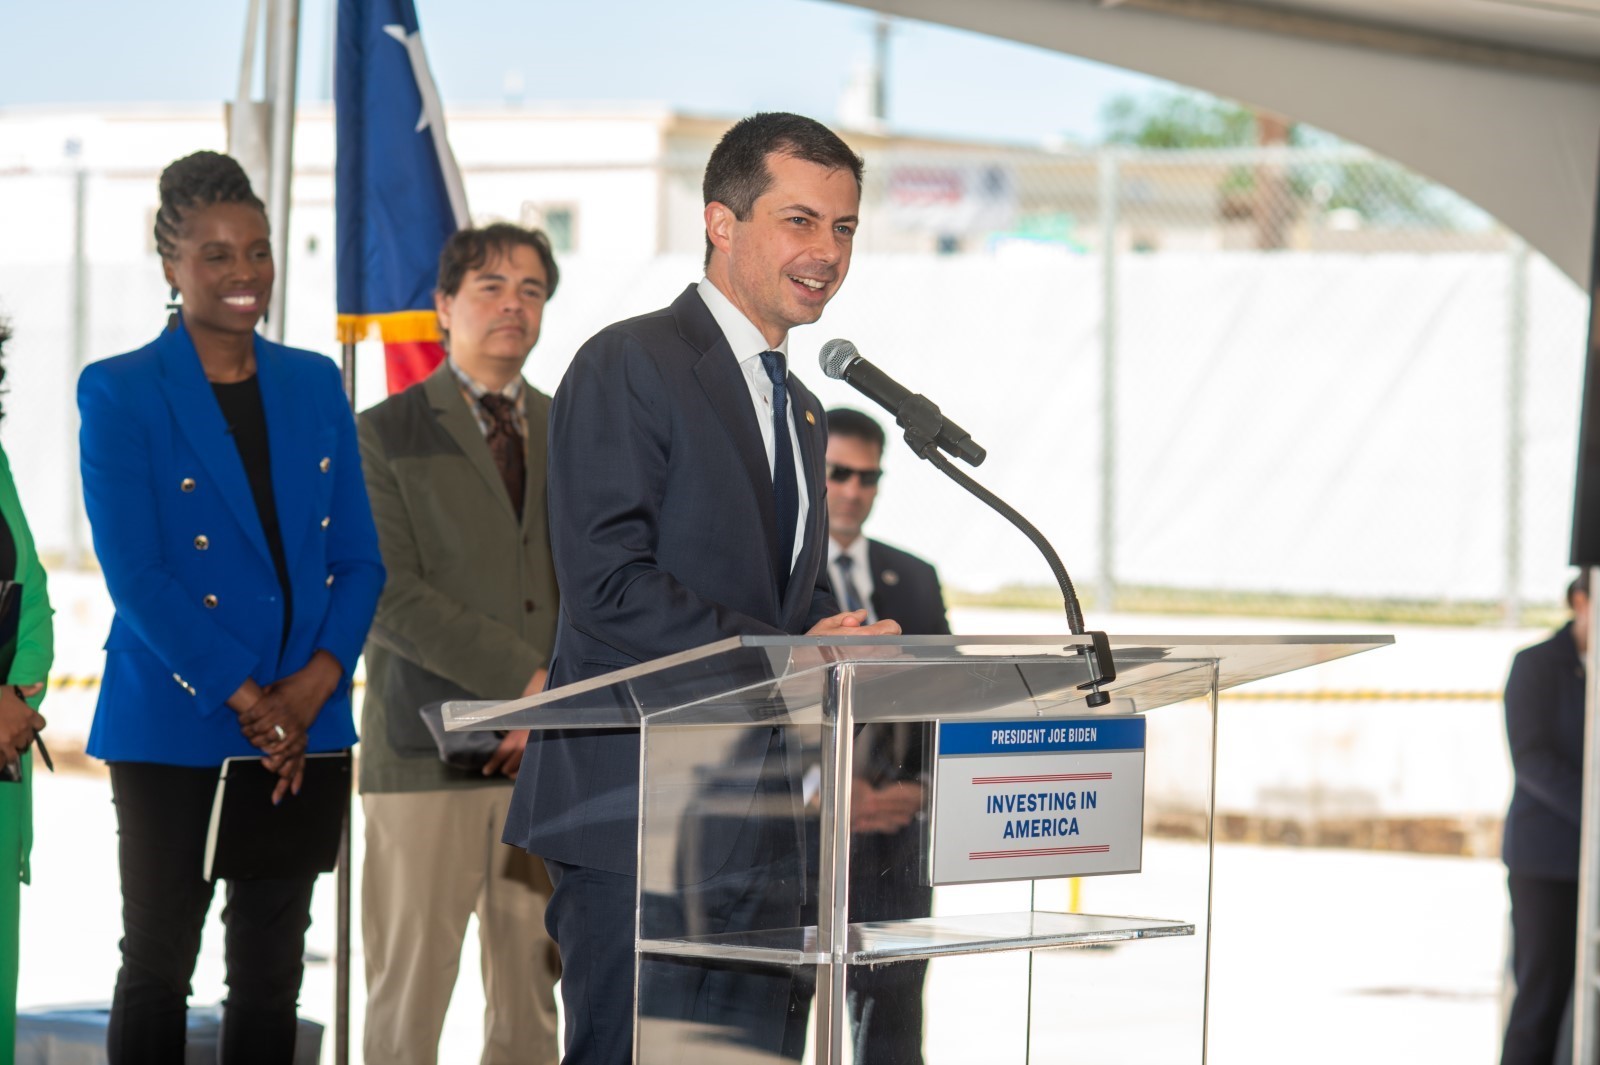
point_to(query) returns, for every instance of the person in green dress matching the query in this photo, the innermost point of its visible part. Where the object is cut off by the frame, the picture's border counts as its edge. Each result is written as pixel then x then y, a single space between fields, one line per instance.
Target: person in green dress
pixel 24 663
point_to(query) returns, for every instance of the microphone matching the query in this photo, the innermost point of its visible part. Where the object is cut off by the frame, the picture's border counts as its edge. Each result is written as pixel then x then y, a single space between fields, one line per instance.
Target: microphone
pixel 841 361
pixel 927 431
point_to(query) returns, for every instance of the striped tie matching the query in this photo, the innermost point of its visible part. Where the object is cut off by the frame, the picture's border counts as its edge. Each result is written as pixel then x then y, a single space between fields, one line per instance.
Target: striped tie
pixel 847 583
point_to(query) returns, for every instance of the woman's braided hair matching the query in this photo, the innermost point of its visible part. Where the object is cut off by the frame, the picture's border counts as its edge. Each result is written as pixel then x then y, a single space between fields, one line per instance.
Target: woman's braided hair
pixel 198 180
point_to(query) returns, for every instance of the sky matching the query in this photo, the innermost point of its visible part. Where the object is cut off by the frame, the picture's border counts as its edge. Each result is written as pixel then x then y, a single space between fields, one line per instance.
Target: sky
pixel 707 56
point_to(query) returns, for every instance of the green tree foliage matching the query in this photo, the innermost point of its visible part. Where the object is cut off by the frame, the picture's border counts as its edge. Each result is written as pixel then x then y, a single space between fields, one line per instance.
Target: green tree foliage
pixel 1384 193
pixel 1176 120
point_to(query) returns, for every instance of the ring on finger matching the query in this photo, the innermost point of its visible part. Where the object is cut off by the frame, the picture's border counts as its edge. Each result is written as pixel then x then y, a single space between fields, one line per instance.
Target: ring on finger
pixel 277 730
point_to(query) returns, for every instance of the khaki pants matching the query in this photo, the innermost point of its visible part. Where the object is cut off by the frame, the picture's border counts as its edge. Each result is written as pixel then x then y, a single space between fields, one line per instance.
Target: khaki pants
pixel 433 859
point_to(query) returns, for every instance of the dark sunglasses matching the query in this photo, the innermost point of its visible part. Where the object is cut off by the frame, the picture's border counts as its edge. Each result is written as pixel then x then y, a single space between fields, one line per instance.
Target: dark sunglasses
pixel 841 474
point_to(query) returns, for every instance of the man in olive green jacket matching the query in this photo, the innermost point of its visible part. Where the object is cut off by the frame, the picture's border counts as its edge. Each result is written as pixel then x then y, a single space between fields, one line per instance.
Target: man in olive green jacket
pixel 455 468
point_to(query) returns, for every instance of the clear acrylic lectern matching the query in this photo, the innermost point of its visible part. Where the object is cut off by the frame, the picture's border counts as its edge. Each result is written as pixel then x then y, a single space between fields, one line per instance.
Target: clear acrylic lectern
pixel 808 884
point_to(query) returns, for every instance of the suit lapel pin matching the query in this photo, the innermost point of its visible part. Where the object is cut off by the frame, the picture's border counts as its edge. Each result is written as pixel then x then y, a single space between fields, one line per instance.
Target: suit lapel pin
pixel 890 577
pixel 811 419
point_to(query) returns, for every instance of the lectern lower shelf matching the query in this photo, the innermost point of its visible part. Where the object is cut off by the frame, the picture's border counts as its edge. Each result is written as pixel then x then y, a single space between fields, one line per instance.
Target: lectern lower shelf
pixel 880 942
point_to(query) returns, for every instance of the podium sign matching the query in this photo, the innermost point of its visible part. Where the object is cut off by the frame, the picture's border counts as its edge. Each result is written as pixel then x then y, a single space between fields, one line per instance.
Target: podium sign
pixel 1025 800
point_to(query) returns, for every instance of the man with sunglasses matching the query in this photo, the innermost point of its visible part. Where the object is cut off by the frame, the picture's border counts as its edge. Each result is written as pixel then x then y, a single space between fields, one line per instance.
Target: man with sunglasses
pixel 891 767
pixel 867 574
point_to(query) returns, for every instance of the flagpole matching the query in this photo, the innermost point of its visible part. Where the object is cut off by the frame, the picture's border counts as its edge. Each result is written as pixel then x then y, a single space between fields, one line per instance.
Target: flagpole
pixel 347 371
pixel 341 950
pixel 284 40
pixel 283 51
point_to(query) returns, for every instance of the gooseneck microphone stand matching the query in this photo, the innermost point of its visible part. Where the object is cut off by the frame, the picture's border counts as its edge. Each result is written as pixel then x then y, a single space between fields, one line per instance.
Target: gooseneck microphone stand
pixel 921 420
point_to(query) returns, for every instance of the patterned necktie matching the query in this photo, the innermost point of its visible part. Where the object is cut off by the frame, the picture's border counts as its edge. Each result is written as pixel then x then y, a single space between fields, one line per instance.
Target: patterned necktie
pixel 785 490
pixel 505 444
pixel 847 582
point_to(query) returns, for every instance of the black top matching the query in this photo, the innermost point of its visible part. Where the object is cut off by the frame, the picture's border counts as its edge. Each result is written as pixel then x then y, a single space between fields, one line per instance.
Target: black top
pixel 8 551
pixel 10 616
pixel 246 416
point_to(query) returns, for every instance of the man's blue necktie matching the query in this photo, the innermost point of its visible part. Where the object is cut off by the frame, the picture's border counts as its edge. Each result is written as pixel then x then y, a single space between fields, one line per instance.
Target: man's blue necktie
pixel 785 490
pixel 847 578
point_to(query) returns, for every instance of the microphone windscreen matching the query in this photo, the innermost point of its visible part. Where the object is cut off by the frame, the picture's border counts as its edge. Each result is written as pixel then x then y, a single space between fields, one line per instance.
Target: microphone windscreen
pixel 835 356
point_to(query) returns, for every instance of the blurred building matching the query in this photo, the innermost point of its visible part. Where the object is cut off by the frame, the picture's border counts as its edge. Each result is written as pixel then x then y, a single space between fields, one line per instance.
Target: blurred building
pixel 625 181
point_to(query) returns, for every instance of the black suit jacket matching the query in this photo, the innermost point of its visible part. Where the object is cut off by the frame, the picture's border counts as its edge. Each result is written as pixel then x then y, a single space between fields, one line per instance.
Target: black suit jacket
pixel 664 534
pixel 1544 723
pixel 906 589
pixel 886 881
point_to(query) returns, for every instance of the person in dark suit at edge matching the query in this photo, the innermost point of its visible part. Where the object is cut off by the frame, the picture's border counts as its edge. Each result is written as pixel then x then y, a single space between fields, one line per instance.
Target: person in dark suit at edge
pixel 887 851
pixel 1544 725
pixel 686 503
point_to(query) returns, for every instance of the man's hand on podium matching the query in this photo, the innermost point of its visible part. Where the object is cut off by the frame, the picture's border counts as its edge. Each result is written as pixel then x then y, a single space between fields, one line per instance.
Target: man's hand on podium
pixel 507 758
pixel 886 809
pixel 854 623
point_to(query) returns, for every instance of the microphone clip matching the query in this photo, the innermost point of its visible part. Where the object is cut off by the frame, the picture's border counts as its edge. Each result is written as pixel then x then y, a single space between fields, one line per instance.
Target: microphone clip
pixel 1102 669
pixel 921 419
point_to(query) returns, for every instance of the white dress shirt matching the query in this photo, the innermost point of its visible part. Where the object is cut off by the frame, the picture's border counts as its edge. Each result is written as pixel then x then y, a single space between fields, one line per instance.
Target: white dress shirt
pixel 860 576
pixel 473 390
pixel 748 345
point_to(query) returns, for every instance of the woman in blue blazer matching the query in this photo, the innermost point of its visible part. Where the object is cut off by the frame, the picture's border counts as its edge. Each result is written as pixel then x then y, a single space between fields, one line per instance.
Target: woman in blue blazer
pixel 223 486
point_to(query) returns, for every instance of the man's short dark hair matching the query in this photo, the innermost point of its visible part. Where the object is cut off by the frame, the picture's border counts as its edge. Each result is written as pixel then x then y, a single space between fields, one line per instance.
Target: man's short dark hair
pixel 737 173
pixel 472 248
pixel 842 421
pixel 1579 585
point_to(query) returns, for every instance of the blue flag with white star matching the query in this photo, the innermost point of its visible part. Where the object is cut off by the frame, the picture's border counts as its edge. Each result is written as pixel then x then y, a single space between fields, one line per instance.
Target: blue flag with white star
pixel 398 194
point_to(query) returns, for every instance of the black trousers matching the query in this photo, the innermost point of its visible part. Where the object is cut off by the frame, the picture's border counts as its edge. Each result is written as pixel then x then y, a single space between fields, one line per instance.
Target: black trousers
pixel 1544 947
pixel 747 1008
pixel 884 1002
pixel 163 812
pixel 750 1008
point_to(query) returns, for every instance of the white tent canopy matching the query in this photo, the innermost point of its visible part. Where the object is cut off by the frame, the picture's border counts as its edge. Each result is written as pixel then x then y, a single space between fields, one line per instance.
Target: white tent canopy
pixel 1497 99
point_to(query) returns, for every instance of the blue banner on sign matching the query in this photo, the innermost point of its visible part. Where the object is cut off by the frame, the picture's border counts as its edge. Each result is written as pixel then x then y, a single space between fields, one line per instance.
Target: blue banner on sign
pixel 1037 736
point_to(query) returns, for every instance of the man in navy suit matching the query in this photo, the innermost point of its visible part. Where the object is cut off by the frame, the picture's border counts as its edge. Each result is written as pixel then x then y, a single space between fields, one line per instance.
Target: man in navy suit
pixel 686 506
pixel 888 852
pixel 884 580
pixel 1544 724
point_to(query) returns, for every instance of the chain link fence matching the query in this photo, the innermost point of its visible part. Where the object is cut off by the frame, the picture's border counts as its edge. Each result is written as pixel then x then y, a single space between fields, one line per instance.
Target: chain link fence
pixel 1211 378
pixel 1276 375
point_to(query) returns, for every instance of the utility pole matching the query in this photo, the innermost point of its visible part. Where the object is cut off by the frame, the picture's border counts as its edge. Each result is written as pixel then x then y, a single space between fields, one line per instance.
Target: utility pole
pixel 881 29
pixel 79 343
pixel 1516 389
pixel 1110 176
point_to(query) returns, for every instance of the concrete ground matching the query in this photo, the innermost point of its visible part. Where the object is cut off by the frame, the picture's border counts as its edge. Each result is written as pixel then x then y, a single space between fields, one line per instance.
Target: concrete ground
pixel 1318 956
